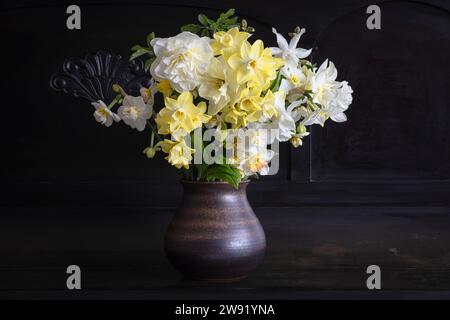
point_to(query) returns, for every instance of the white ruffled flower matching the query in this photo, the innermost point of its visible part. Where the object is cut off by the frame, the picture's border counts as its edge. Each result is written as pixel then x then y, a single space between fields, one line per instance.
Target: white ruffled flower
pixel 340 100
pixel 181 60
pixel 289 51
pixel 256 163
pixel 103 115
pixel 324 83
pixel 135 112
pixel 332 96
pixel 252 155
pixel 340 103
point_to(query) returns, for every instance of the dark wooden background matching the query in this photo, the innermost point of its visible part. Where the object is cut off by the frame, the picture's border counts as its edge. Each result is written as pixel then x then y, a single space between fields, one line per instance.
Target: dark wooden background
pixel 374 190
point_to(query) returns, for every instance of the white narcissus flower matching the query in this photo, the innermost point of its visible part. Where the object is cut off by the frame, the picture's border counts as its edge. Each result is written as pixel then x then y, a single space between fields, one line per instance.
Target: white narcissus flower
pixel 289 51
pixel 135 112
pixel 181 60
pixel 295 82
pixel 103 115
pixel 249 150
pixel 256 163
pixel 324 83
pixel 333 97
pixel 342 100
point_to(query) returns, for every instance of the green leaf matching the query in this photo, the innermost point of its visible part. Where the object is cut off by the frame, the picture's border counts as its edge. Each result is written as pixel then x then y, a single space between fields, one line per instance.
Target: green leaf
pixel 224 172
pixel 136 47
pixel 194 28
pixel 231 21
pixel 227 14
pixel 148 63
pixel 275 85
pixel 138 53
pixel 204 33
pixel 203 19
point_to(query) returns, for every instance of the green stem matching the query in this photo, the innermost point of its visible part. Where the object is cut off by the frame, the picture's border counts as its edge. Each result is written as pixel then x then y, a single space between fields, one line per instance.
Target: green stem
pixel 153 129
pixel 113 103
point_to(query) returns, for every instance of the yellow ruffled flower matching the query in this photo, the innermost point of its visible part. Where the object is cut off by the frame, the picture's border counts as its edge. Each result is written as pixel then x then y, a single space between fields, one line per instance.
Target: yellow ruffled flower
pixel 236 117
pixel 165 88
pixel 268 108
pixel 255 65
pixel 248 108
pixel 179 154
pixel 180 116
pixel 226 43
pixel 249 102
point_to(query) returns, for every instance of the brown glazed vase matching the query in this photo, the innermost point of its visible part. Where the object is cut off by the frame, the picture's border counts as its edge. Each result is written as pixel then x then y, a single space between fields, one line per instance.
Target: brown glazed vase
pixel 215 235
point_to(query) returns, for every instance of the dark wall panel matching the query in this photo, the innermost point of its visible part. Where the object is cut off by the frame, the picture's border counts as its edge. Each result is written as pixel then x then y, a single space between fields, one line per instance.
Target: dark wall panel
pixel 398 124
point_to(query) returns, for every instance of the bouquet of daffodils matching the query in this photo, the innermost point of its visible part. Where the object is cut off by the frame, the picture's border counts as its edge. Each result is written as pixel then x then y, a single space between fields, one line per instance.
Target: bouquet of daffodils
pixel 227 99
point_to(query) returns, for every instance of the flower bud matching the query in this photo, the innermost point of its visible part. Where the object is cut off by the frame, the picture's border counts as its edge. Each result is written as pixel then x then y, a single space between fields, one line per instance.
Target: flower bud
pixel 150 152
pixel 296 142
pixel 116 88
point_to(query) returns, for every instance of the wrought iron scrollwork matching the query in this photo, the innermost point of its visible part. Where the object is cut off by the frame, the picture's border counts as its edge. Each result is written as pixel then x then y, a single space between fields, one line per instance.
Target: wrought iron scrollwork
pixel 92 77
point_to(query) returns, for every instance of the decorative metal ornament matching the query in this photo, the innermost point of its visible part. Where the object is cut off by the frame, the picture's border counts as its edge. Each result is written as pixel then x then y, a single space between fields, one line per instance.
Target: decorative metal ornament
pixel 93 76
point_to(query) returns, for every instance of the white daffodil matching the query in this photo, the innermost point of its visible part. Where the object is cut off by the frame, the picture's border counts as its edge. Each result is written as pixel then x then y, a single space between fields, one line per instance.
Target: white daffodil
pixel 181 59
pixel 250 153
pixel 340 103
pixel 256 163
pixel 289 51
pixel 103 115
pixel 135 112
pixel 295 81
pixel 324 83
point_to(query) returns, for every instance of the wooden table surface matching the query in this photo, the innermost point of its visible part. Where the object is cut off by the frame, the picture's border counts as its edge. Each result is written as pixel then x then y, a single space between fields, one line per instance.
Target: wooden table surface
pixel 313 252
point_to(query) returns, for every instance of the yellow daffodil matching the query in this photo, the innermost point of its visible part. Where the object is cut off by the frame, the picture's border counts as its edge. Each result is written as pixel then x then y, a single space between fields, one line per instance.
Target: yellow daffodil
pixel 249 102
pixel 254 64
pixel 235 116
pixel 214 86
pixel 179 154
pixel 165 88
pixel 268 106
pixel 226 43
pixel 181 116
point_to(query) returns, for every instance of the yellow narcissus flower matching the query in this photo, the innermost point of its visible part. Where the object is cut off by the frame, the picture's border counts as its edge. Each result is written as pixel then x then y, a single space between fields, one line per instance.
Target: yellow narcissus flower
pixel 165 88
pixel 179 154
pixel 268 106
pixel 181 116
pixel 236 117
pixel 247 109
pixel 226 43
pixel 249 102
pixel 214 86
pixel 255 64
